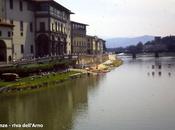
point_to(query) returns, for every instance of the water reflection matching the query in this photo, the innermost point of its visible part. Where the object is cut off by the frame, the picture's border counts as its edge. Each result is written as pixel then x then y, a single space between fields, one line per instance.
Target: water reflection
pixel 132 97
pixel 169 74
pixel 56 107
pixel 148 74
pixel 169 65
pixel 158 69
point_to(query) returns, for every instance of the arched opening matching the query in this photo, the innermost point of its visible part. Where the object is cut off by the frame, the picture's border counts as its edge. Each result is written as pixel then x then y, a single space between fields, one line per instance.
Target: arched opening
pixel 3 51
pixel 42 46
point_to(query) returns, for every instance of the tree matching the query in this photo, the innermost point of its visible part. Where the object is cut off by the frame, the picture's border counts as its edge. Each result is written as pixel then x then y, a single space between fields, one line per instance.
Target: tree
pixel 139 47
pixel 104 47
pixel 132 49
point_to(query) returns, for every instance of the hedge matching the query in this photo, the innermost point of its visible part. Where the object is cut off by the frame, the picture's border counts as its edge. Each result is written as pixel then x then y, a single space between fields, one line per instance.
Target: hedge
pixel 26 70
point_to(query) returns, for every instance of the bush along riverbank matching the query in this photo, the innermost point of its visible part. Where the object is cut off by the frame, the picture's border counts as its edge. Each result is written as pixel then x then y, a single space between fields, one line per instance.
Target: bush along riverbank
pixel 31 76
pixel 37 81
pixel 32 69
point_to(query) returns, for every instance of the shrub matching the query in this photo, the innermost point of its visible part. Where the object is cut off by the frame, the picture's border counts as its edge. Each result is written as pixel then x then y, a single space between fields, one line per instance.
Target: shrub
pixel 26 70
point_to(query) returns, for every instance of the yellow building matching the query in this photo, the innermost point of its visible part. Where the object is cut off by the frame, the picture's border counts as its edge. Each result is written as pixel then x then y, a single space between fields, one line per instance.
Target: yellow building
pixel 95 45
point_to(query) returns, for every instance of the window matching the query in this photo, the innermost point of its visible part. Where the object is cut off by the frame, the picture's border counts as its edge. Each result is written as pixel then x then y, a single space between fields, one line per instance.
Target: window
pixel 9 34
pixel 64 30
pixel 31 48
pixel 0 33
pixel 10 58
pixel 56 26
pixel 42 7
pixel 11 4
pixel 53 38
pixel 61 28
pixel 31 27
pixel 21 26
pixel 13 48
pixel 11 22
pixel 21 33
pixel 30 6
pixel 22 49
pixel 42 26
pixel 52 27
pixel 21 5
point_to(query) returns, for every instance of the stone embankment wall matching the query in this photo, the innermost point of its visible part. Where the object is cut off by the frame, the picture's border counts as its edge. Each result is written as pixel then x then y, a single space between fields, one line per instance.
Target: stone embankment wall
pixel 92 59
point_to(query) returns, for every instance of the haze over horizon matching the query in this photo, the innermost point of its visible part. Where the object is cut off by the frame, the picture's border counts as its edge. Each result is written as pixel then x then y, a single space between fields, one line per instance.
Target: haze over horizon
pixel 124 18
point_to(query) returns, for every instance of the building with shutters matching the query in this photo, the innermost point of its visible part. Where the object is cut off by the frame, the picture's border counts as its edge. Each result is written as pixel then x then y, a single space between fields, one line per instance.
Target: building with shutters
pixel 33 28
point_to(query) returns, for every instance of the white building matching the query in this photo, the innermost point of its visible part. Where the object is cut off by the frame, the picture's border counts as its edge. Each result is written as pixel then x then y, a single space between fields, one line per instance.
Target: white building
pixel 33 28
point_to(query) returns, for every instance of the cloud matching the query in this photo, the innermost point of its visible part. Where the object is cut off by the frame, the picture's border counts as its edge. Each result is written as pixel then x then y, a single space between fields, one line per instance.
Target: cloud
pixel 125 17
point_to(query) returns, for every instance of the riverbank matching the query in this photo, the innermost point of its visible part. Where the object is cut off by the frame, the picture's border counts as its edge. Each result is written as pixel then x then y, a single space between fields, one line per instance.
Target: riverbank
pixel 50 76
pixel 37 81
pixel 107 66
pixel 104 67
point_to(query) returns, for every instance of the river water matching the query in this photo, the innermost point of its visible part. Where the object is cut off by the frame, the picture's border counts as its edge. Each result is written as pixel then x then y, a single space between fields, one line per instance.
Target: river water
pixel 139 95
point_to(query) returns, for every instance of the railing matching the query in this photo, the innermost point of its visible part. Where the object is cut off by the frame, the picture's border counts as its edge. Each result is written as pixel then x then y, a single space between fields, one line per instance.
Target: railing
pixel 45 59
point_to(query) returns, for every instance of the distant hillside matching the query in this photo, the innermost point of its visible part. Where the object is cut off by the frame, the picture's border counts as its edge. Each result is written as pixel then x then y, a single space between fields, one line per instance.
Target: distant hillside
pixel 123 42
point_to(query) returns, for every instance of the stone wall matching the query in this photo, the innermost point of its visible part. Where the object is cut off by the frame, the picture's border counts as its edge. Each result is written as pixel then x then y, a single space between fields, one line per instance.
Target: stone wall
pixel 92 59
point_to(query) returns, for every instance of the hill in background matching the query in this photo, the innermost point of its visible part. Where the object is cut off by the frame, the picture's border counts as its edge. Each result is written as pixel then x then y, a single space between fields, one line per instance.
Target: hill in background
pixel 125 41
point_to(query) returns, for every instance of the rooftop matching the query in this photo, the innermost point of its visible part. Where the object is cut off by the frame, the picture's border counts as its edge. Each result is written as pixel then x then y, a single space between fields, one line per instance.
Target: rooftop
pixel 55 4
pixel 79 23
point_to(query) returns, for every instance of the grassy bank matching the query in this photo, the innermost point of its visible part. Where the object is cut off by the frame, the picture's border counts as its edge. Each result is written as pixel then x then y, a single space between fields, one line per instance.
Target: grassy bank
pixel 37 81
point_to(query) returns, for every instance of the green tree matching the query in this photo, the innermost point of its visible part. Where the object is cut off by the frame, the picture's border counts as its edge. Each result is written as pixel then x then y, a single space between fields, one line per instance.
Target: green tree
pixel 139 47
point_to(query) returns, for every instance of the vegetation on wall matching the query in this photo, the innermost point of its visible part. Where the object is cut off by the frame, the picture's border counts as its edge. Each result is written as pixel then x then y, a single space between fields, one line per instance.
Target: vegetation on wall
pixel 26 70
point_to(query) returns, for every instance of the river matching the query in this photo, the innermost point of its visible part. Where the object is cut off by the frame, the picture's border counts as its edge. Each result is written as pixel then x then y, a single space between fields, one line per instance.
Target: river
pixel 139 95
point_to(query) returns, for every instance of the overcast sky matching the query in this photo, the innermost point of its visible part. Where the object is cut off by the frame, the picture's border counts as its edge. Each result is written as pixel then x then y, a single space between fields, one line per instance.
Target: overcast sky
pixel 124 18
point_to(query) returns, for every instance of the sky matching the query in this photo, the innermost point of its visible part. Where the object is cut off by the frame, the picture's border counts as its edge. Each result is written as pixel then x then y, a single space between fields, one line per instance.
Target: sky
pixel 124 18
